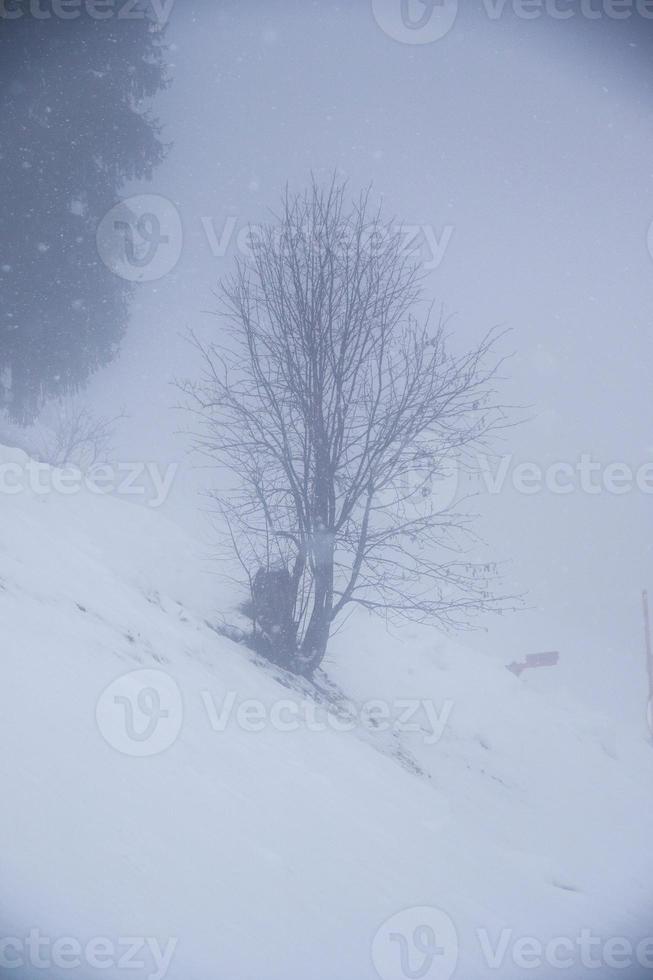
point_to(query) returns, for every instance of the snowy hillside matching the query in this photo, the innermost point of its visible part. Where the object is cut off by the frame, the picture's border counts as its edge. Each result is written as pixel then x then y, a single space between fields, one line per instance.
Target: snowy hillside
pixel 204 818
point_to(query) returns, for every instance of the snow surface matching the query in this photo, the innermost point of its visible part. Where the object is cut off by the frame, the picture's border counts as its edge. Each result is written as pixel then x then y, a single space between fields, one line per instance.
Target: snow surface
pixel 270 854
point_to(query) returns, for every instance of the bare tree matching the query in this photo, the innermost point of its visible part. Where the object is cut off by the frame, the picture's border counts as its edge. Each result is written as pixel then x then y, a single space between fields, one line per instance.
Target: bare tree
pixel 331 410
pixel 77 437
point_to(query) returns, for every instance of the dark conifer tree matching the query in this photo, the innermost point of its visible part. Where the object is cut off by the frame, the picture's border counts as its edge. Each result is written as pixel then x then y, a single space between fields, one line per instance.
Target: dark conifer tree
pixel 75 128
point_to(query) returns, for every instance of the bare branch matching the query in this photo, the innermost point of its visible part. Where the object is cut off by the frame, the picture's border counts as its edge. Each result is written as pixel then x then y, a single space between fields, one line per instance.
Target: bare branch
pixel 334 410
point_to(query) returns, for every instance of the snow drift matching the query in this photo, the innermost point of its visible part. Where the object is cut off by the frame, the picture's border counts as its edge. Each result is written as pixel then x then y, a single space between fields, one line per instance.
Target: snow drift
pixel 173 808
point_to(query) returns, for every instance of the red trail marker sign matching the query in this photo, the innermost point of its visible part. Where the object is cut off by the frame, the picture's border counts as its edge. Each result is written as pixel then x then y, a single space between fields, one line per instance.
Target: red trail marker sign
pixel 548 659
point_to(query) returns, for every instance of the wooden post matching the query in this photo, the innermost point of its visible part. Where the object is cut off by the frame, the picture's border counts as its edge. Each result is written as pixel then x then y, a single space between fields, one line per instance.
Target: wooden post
pixel 649 657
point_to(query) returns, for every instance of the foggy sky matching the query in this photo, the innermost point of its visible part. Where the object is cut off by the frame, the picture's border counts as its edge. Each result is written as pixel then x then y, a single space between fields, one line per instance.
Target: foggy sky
pixel 532 141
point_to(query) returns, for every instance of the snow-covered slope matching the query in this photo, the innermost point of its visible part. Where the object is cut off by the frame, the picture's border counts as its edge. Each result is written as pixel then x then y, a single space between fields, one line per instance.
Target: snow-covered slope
pixel 206 818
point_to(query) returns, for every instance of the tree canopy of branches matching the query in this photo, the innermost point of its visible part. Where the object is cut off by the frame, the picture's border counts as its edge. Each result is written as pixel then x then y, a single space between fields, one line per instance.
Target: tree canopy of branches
pixel 75 129
pixel 331 410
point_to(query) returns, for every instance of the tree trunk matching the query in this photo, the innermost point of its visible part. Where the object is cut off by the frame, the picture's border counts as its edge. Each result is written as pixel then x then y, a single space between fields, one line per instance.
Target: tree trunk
pixel 313 647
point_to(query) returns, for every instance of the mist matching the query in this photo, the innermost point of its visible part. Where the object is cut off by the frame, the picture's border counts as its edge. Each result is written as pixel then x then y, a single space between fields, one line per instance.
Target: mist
pixel 325 398
pixel 522 147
